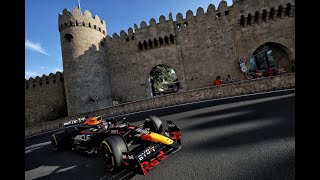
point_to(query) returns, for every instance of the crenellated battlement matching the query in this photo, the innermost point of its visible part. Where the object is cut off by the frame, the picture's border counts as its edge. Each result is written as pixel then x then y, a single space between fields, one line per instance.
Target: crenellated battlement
pixel 168 37
pixel 101 68
pixel 44 80
pixel 129 35
pixel 76 18
pixel 266 14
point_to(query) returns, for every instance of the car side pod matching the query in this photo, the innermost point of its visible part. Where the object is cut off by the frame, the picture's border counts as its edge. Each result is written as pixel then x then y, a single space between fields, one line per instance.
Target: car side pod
pixel 157 151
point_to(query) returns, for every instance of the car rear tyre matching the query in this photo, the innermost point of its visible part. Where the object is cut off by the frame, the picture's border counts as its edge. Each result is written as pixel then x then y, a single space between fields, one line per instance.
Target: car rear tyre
pixel 60 141
pixel 111 149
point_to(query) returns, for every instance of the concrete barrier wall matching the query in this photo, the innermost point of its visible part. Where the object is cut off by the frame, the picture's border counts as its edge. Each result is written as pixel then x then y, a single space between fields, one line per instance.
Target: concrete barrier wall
pixel 212 92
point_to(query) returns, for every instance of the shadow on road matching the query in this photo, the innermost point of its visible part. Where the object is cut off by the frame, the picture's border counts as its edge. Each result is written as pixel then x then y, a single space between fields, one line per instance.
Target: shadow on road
pixel 279 123
pixel 42 163
pixel 274 119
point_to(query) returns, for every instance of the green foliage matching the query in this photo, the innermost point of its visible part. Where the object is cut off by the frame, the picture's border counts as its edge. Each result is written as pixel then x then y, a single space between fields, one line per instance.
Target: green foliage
pixel 161 74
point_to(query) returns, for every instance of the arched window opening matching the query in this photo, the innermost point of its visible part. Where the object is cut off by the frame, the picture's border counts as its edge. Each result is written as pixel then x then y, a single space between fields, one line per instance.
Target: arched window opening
pixel 68 37
pixel 140 46
pixel 163 80
pixel 264 15
pixel 171 39
pixel 280 9
pixel 150 44
pixel 242 20
pixel 155 42
pixel 256 17
pixel 160 41
pixel 288 9
pixel 249 19
pixel 166 40
pixel 272 12
pixel 145 45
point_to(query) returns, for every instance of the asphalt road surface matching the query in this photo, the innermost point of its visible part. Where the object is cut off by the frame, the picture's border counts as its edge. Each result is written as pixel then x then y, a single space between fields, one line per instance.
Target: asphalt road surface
pixel 244 138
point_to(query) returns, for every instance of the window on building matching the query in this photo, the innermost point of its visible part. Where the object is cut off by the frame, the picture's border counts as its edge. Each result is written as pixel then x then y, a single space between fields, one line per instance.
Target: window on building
pixel 242 20
pixel 145 45
pixel 280 9
pixel 166 40
pixel 40 83
pixel 27 86
pixel 132 37
pixel 272 12
pixel 150 44
pixel 218 15
pixel 68 37
pixel 77 23
pixel 288 9
pixel 102 44
pixel 249 19
pixel 140 46
pixel 160 41
pixel 185 24
pixel 256 17
pixel 178 25
pixel 171 39
pixel 47 82
pixel 127 39
pixel 33 85
pixel 264 15
pixel 155 42
pixel 54 81
pixel 226 12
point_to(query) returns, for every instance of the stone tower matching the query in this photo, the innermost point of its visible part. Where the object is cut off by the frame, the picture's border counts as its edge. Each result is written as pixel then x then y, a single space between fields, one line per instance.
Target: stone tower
pixel 86 77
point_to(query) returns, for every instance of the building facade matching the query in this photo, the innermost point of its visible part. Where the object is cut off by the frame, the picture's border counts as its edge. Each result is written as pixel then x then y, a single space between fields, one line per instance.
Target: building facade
pixel 99 69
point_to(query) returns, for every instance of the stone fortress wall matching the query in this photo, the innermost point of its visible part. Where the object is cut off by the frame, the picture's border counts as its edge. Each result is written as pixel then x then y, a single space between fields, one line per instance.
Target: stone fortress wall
pixel 99 68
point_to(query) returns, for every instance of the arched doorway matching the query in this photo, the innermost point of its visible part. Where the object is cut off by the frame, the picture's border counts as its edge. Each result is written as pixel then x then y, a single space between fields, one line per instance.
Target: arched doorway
pixel 163 80
pixel 270 55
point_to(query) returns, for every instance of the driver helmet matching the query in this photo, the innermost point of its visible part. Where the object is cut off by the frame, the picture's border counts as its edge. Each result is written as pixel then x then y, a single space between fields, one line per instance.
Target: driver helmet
pixel 92 121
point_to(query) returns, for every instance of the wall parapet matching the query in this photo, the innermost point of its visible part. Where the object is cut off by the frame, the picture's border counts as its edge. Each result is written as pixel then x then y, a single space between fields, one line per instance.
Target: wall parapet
pixel 265 84
pixel 44 80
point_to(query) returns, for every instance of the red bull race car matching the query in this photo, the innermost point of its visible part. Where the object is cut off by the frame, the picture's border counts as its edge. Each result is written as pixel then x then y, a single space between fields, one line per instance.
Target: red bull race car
pixel 120 144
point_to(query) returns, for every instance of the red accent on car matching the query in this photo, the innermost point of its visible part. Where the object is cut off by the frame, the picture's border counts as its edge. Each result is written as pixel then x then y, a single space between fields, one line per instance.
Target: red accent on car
pixel 125 163
pixel 176 135
pixel 147 137
pixel 148 165
pixel 87 132
pixel 131 127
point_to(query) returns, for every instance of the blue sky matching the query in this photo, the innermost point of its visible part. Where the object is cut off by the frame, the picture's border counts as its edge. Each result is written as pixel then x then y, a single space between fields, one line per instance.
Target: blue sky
pixel 42 43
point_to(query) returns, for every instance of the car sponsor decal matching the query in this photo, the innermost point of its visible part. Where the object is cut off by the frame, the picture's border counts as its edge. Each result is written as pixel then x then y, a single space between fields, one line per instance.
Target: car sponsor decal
pixel 146 152
pixel 114 131
pixel 125 156
pixel 82 137
pixel 148 165
pixel 143 131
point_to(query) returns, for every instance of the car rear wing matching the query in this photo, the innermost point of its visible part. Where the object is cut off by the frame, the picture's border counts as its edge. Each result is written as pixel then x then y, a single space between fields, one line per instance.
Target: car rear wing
pixel 71 122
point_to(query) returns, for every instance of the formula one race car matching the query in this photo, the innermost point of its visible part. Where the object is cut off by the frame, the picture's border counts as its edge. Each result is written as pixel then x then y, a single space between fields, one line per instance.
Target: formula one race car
pixel 121 145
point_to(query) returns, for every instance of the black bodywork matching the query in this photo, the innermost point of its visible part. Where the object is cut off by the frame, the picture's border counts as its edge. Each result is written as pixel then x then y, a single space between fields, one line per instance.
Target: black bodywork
pixel 142 153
